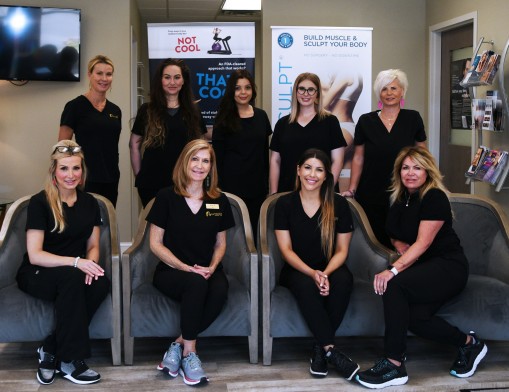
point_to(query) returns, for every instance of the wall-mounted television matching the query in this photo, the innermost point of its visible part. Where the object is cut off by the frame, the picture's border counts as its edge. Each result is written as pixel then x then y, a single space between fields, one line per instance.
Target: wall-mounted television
pixel 39 43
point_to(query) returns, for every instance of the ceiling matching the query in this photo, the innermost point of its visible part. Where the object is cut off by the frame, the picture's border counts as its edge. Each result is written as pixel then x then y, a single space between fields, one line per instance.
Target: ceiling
pixel 170 11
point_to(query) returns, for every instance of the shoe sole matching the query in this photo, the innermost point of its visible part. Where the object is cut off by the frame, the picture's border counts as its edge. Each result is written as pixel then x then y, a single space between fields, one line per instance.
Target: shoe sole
pixel 167 371
pixel 189 381
pixel 317 374
pixel 393 382
pixel 353 373
pixel 80 382
pixel 478 359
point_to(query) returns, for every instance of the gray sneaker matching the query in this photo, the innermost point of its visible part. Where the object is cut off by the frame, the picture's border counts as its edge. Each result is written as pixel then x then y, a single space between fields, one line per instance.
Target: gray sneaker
pixel 78 372
pixel 171 360
pixel 191 370
pixel 47 367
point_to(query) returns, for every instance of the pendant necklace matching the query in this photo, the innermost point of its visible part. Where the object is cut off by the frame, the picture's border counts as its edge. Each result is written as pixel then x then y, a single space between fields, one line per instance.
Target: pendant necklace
pixel 408 200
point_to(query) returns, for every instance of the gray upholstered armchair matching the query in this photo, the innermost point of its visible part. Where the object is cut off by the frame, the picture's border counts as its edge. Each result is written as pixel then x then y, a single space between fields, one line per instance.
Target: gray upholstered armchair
pixel 149 313
pixel 280 314
pixel 483 306
pixel 25 318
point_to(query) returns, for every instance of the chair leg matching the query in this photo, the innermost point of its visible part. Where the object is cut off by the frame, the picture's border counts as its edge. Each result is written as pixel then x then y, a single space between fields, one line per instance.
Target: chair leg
pixel 267 350
pixel 128 349
pixel 253 348
pixel 116 350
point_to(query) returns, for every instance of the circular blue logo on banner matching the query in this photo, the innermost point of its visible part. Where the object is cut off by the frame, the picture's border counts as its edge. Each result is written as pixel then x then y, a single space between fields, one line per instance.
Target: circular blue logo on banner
pixel 285 40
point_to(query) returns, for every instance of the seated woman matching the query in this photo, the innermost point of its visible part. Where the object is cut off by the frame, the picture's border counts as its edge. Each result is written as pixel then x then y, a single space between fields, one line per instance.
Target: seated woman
pixel 431 270
pixel 61 264
pixel 188 234
pixel 313 228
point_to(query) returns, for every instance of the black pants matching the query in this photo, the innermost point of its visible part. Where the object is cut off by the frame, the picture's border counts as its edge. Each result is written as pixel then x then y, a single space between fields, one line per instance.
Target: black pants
pixel 377 216
pixel 323 315
pixel 253 206
pixel 75 305
pixel 201 300
pixel 108 189
pixel 147 194
pixel 414 296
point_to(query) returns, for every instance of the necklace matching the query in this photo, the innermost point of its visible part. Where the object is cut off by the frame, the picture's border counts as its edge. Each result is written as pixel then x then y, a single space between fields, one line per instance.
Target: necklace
pixel 408 199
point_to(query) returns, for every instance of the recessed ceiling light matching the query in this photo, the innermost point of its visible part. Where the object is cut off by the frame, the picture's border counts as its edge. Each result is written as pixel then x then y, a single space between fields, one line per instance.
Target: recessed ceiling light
pixel 242 5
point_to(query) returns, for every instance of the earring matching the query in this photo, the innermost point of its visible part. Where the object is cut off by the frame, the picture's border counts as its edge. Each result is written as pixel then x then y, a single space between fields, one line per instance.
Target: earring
pixel 207 182
pixel 380 105
pixel 402 102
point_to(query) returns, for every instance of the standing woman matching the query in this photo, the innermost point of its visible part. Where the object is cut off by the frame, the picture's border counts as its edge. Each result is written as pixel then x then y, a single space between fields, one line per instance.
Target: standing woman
pixel 188 224
pixel 308 125
pixel 241 143
pixel 61 264
pixel 431 270
pixel 96 124
pixel 379 137
pixel 313 228
pixel 163 127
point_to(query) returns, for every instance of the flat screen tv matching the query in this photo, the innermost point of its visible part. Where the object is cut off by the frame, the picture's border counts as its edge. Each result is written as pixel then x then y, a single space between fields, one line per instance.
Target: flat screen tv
pixel 39 43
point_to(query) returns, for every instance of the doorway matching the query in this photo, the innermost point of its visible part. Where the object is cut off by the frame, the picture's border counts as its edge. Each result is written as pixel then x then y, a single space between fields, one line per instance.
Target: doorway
pixel 455 108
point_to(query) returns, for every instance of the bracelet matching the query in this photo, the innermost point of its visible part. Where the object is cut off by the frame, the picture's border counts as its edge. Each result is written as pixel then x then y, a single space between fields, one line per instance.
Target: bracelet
pixel 76 262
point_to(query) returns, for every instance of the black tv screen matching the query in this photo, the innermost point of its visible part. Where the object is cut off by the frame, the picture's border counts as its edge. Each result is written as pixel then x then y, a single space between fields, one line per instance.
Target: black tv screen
pixel 39 43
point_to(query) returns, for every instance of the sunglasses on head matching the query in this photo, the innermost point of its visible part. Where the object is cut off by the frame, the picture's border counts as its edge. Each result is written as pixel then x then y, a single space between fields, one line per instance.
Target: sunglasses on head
pixel 68 149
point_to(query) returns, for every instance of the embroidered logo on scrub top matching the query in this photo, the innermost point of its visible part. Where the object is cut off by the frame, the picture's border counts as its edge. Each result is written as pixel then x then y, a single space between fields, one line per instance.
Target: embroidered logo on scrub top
pixel 113 116
pixel 210 206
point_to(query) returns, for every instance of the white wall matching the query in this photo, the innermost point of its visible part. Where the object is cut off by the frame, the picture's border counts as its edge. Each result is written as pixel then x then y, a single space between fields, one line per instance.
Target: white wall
pixel 30 114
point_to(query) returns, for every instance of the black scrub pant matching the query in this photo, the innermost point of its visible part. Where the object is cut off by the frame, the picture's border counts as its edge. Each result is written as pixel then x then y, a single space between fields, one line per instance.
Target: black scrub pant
pixel 414 296
pixel 75 305
pixel 201 300
pixel 107 189
pixel 323 315
pixel 147 194
pixel 377 216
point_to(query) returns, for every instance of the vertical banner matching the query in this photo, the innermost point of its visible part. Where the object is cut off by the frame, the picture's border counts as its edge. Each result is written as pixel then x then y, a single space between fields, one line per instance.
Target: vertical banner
pixel 211 50
pixel 340 56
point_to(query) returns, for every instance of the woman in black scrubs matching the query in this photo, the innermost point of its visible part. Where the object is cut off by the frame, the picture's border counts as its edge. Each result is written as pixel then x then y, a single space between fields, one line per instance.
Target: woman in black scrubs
pixel 188 234
pixel 313 228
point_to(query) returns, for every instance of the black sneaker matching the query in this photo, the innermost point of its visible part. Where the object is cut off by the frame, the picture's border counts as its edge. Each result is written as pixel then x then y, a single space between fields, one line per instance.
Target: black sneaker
pixel 47 367
pixel 383 374
pixel 318 367
pixel 344 365
pixel 78 372
pixel 469 357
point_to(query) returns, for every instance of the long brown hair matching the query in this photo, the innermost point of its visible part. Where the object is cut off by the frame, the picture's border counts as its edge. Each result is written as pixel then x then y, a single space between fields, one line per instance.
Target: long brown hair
pixel 157 107
pixel 50 183
pixel 327 221
pixel 181 178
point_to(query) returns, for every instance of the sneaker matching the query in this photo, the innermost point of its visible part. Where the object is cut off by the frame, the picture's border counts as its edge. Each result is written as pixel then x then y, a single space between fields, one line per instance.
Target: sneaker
pixel 383 374
pixel 171 360
pixel 469 357
pixel 78 372
pixel 47 367
pixel 191 370
pixel 344 365
pixel 318 367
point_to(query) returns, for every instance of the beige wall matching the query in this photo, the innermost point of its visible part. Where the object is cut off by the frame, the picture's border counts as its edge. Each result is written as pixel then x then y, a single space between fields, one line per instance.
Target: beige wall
pixel 30 115
pixel 492 25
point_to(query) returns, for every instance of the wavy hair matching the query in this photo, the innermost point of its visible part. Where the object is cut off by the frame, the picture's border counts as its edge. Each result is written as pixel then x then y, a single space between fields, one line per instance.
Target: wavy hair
pixel 423 157
pixel 157 107
pixel 228 112
pixel 326 219
pixel 295 107
pixel 181 177
pixel 51 186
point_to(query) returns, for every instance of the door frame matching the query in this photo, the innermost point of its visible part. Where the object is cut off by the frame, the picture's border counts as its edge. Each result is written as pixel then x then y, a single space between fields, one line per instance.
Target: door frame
pixel 435 71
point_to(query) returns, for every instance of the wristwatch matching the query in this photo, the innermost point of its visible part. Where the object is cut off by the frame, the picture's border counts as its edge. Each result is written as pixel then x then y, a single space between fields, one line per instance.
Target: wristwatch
pixel 393 269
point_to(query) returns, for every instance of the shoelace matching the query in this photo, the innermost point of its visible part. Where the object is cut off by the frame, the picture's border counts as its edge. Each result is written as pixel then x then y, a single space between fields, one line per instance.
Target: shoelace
pixel 382 363
pixel 462 357
pixel 194 361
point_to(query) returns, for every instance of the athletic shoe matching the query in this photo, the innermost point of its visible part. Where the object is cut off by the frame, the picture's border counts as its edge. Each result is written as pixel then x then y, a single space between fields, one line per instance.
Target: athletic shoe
pixel 383 374
pixel 344 365
pixel 469 357
pixel 78 372
pixel 171 360
pixel 318 367
pixel 191 370
pixel 47 367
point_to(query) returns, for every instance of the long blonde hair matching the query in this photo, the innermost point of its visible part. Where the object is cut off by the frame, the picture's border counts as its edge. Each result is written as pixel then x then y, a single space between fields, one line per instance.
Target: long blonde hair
pixel 327 220
pixel 181 178
pixel 424 158
pixel 295 107
pixel 50 183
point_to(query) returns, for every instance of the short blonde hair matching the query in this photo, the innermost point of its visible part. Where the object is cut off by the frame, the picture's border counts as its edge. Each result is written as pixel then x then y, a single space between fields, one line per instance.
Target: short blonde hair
pixel 388 76
pixel 99 59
